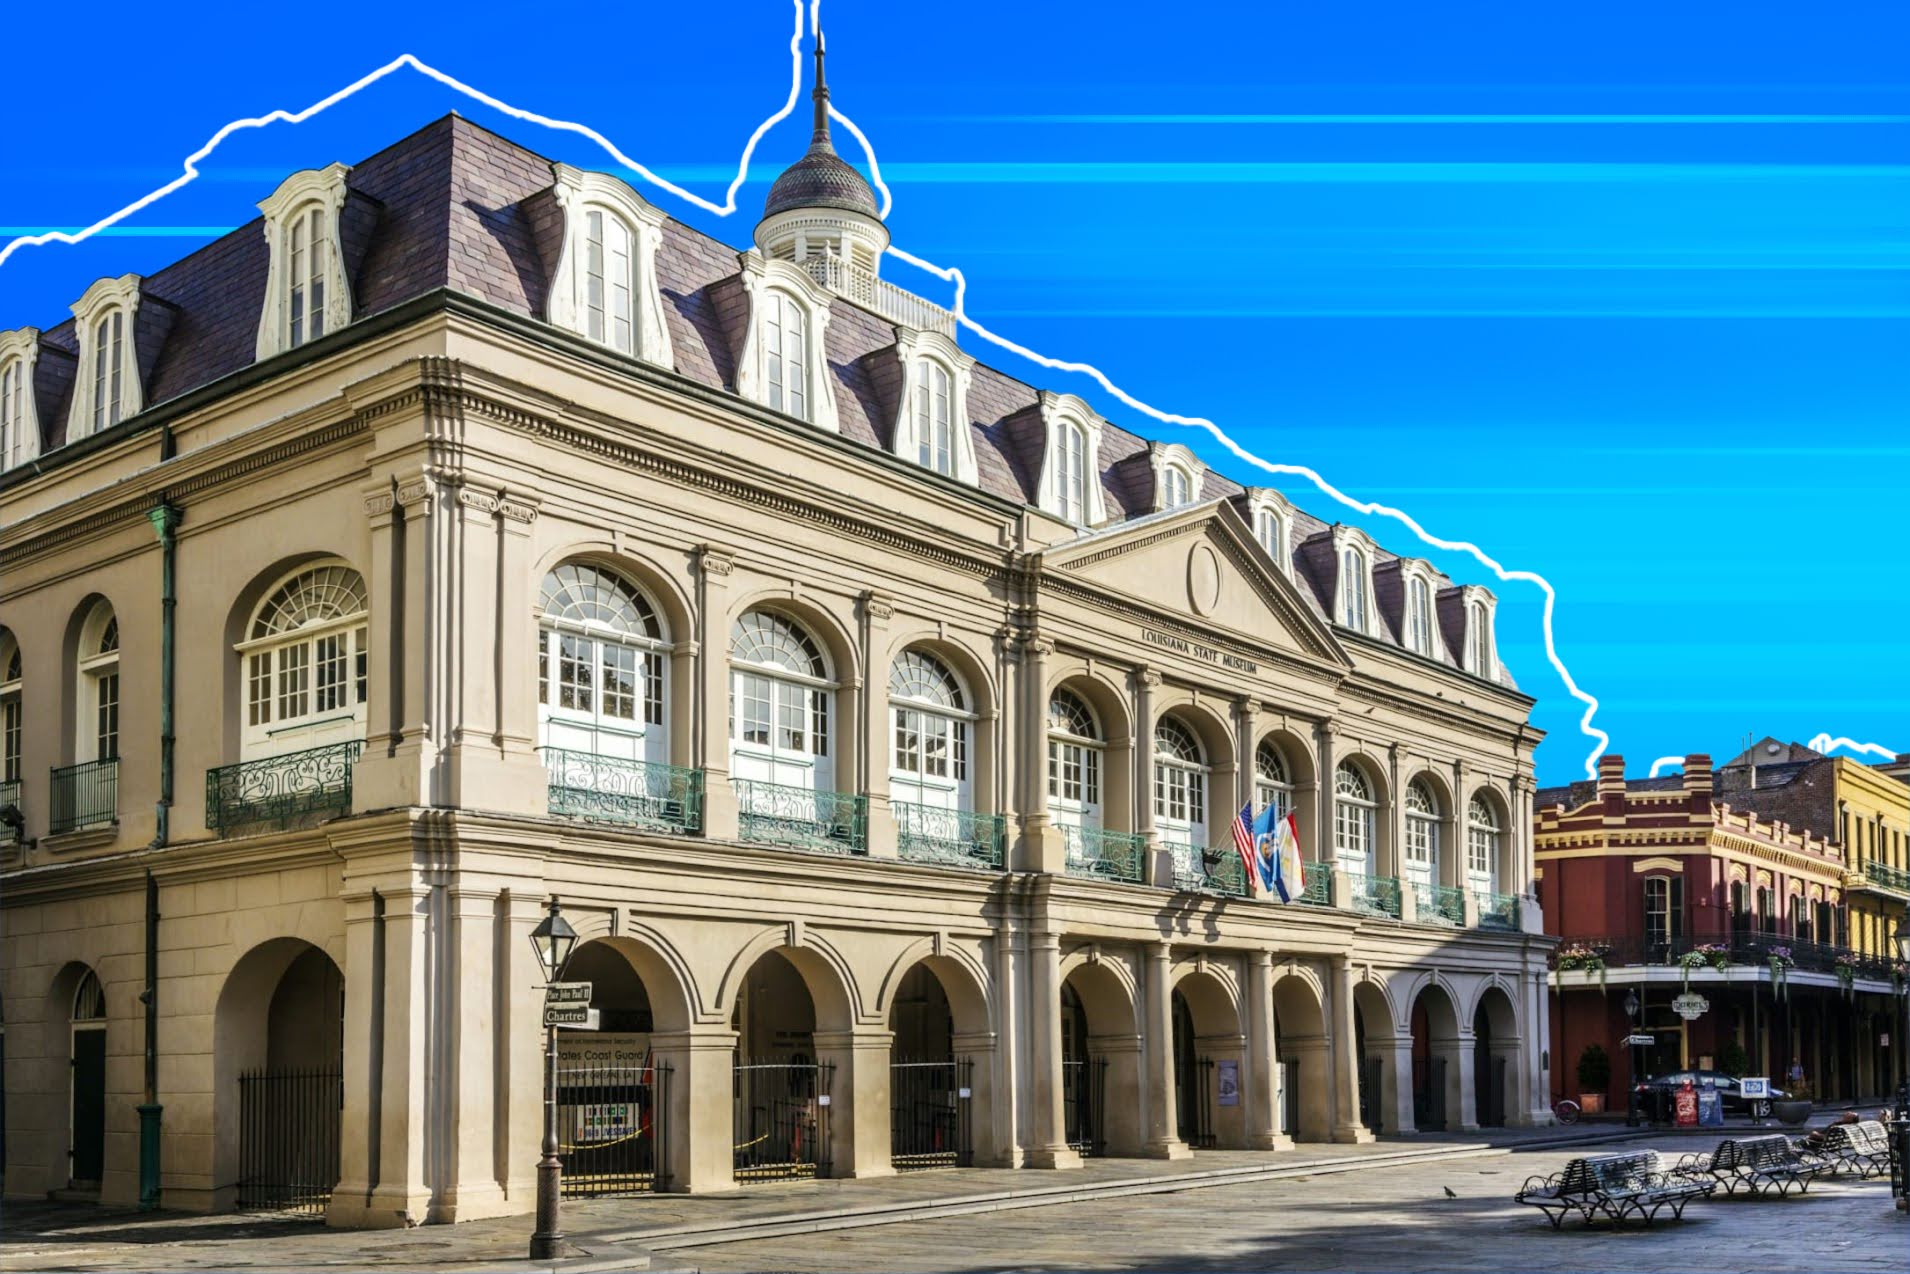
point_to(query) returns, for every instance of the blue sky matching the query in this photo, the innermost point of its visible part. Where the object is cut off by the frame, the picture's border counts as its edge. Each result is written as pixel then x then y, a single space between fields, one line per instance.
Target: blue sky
pixel 1618 292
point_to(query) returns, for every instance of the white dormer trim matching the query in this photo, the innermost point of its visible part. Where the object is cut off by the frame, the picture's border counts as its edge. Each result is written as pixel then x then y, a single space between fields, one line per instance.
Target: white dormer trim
pixel 1418 570
pixel 921 353
pixel 1271 517
pixel 1481 647
pixel 1173 457
pixel 1361 615
pixel 103 301
pixel 578 194
pixel 315 189
pixel 761 278
pixel 19 411
pixel 1061 413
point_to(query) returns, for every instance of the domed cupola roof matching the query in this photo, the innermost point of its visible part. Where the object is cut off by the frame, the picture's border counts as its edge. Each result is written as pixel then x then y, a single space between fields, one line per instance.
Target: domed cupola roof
pixel 821 178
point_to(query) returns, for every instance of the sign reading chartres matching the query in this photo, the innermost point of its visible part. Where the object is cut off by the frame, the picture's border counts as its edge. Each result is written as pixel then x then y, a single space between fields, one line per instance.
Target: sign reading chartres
pixel 1690 1006
pixel 578 1016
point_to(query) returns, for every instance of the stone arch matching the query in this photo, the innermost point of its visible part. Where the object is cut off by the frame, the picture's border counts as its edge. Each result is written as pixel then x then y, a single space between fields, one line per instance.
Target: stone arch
pixel 1302 772
pixel 983 691
pixel 1301 1051
pixel 280 1010
pixel 670 997
pixel 1219 750
pixel 962 977
pixel 1101 1051
pixel 70 638
pixel 239 616
pixel 942 1060
pixel 826 975
pixel 1498 1045
pixel 955 651
pixel 835 635
pixel 1506 869
pixel 1379 787
pixel 1209 1041
pixel 60 1056
pixel 1374 1045
pixel 1114 717
pixel 660 584
pixel 1451 822
pixel 1440 1096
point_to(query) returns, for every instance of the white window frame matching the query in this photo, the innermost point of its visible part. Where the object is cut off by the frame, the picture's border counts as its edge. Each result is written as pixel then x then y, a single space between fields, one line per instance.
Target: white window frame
pixel 565 642
pixel 1355 820
pixel 314 197
pixel 581 195
pixel 1419 609
pixel 1273 526
pixel 1481 648
pixel 1420 860
pixel 1077 766
pixel 101 690
pixel 106 389
pixel 1483 843
pixel 287 667
pixel 924 728
pixel 925 356
pixel 784 693
pixel 1071 495
pixel 771 286
pixel 1182 786
pixel 1272 785
pixel 19 406
pixel 1178 475
pixel 12 718
pixel 1353 554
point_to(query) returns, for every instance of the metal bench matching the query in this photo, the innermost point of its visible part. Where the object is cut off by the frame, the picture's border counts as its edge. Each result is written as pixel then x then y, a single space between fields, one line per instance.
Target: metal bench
pixel 1619 1186
pixel 1862 1148
pixel 1758 1164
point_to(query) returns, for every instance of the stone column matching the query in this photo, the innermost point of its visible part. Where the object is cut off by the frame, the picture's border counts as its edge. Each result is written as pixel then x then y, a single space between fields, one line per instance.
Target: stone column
pixel 521 1059
pixel 1124 1096
pixel 1157 1038
pixel 1325 749
pixel 469 988
pixel 872 741
pixel 698 1117
pixel 1462 1093
pixel 1049 1148
pixel 1396 1084
pixel 1042 846
pixel 1261 1082
pixel 1161 871
pixel 978 1105
pixel 1390 858
pixel 1346 1059
pixel 859 1100
pixel 400 752
pixel 359 1120
pixel 709 740
pixel 384 628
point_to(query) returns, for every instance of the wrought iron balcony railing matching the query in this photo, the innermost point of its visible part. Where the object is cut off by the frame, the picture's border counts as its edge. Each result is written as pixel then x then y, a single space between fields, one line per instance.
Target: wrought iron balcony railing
pixel 886 299
pixel 9 795
pixel 1439 904
pixel 1103 855
pixel 1193 872
pixel 951 838
pixel 1755 950
pixel 1497 911
pixel 1375 895
pixel 1886 876
pixel 1319 885
pixel 609 789
pixel 297 788
pixel 802 817
pixel 84 795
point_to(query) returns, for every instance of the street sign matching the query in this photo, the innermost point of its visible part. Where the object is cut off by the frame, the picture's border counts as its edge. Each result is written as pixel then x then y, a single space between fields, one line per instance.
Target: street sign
pixel 1641 1041
pixel 567 993
pixel 1754 1086
pixel 1690 1005
pixel 579 1016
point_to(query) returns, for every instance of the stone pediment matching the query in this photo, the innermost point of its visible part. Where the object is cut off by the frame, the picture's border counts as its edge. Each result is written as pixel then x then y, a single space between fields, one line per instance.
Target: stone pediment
pixel 1198 564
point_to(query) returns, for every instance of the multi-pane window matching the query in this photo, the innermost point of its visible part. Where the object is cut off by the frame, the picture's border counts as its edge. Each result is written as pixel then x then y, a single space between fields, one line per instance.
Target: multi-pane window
pixel 1176 487
pixel 1074 759
pixel 780 702
pixel 610 280
pixel 1482 844
pixel 785 353
pixel 304 661
pixel 929 716
pixel 1664 911
pixel 1422 831
pixel 12 722
pixel 1272 780
pixel 1272 532
pixel 13 378
pixel 307 258
pixel 1766 913
pixel 108 369
pixel 1180 782
pixel 1071 472
pixel 1479 640
pixel 934 423
pixel 1355 814
pixel 99 685
pixel 1353 588
pixel 1740 910
pixel 1418 616
pixel 601 652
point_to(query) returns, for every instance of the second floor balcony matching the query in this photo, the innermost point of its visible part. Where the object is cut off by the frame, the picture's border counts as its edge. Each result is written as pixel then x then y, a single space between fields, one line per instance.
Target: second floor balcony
pixel 608 789
pixel 84 796
pixel 1595 960
pixel 294 789
pixel 802 818
pixel 949 837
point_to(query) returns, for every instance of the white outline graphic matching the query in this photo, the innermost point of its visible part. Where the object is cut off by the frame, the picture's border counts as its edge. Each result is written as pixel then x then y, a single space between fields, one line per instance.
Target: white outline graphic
pixel 1663 761
pixel 947 274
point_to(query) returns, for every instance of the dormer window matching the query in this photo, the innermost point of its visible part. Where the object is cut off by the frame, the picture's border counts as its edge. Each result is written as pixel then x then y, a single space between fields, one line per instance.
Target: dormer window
pixel 931 421
pixel 1482 657
pixel 19 419
pixel 606 285
pixel 782 364
pixel 107 390
pixel 1175 487
pixel 1177 475
pixel 1071 473
pixel 934 431
pixel 609 280
pixel 305 291
pixel 1272 522
pixel 1419 616
pixel 1353 588
pixel 785 354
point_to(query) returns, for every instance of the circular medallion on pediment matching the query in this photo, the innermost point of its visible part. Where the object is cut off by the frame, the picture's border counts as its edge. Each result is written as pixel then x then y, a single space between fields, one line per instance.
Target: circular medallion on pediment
pixel 1203 578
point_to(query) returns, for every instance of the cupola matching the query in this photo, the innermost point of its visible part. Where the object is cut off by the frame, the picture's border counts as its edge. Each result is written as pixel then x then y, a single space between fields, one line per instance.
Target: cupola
pixel 820 209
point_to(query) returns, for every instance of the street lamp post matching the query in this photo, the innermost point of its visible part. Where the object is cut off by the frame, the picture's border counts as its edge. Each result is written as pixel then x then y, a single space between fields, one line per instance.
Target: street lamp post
pixel 1631 1089
pixel 1903 1044
pixel 553 940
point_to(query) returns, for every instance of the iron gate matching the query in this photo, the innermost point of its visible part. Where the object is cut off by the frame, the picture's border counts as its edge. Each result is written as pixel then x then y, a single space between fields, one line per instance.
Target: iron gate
pixel 288 1139
pixel 1290 1099
pixel 612 1129
pixel 1369 1093
pixel 1197 1102
pixel 781 1119
pixel 1084 1088
pixel 1429 1094
pixel 929 1107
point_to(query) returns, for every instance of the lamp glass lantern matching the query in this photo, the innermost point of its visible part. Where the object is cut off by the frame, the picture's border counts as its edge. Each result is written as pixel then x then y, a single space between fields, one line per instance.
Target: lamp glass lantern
pixel 1631 1003
pixel 553 939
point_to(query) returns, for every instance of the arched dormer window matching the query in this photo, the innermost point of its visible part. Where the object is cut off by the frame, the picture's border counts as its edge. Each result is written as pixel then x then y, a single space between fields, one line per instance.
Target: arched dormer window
pixel 782 365
pixel 1177 475
pixel 1483 831
pixel 1272 520
pixel 1353 588
pixel 600 667
pixel 1419 615
pixel 305 657
pixel 1422 833
pixel 1180 785
pixel 1075 749
pixel 929 715
pixel 931 426
pixel 306 295
pixel 786 354
pixel 1481 654
pixel 781 701
pixel 1071 478
pixel 1355 819
pixel 107 390
pixel 19 410
pixel 1272 780
pixel 1176 487
pixel 606 283
pixel 934 418
pixel 97 737
pixel 12 721
pixel 1070 485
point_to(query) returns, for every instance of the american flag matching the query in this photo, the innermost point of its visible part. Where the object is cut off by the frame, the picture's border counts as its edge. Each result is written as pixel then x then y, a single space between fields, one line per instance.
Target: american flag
pixel 1243 842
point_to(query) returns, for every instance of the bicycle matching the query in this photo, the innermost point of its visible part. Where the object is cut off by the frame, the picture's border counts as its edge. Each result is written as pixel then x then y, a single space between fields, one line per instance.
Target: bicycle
pixel 1565 1111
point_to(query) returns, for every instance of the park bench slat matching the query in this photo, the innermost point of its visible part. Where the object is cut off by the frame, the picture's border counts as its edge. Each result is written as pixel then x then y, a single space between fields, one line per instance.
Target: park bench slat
pixel 1616 1185
pixel 1758 1164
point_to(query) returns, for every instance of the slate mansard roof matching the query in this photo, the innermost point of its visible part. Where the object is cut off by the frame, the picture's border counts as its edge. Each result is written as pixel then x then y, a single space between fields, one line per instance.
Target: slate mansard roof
pixel 455 206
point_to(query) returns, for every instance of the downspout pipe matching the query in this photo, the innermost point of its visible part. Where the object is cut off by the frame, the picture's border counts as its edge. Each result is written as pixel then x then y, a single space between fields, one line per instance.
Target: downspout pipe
pixel 165 519
pixel 150 1109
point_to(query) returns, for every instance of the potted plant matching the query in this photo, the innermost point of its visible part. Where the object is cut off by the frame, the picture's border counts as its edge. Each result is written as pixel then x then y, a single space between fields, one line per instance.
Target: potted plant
pixel 1733 1060
pixel 1594 1078
pixel 1796 1106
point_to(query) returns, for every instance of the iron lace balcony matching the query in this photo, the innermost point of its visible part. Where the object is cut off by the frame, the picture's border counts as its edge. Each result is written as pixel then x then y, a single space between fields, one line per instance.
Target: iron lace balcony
pixel 1884 876
pixel 1193 872
pixel 1096 854
pixel 949 838
pixel 1375 895
pixel 277 792
pixel 1439 904
pixel 802 817
pixel 611 789
pixel 84 795
pixel 1497 911
pixel 9 795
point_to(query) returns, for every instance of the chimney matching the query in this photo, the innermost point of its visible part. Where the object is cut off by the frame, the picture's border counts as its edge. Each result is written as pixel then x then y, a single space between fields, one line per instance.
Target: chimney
pixel 1697 776
pixel 1611 784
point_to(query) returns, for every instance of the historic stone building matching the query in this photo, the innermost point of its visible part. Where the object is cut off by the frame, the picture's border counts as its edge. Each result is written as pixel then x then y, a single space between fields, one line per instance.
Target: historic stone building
pixel 466 532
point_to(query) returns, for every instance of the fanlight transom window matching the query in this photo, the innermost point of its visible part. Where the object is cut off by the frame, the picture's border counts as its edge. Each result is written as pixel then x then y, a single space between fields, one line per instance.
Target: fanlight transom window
pixel 780 702
pixel 1354 818
pixel 1482 843
pixel 600 665
pixel 89 999
pixel 306 657
pixel 929 717
pixel 1273 781
pixel 1075 746
pixel 1422 830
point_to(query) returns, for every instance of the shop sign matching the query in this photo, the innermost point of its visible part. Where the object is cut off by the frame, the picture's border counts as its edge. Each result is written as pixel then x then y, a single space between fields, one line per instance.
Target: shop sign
pixel 1690 1005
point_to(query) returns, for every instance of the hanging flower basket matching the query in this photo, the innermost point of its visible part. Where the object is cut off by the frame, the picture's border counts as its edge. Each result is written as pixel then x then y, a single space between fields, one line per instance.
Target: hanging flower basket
pixel 1714 954
pixel 1845 967
pixel 1588 956
pixel 1780 962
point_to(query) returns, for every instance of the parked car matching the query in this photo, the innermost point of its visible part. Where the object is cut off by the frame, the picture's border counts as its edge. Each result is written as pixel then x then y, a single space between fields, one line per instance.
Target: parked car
pixel 1661 1088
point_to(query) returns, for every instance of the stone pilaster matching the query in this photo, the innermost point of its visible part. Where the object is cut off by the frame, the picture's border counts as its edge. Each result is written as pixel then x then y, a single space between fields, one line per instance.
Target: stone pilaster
pixel 700 1109
pixel 872 740
pixel 1260 1081
pixel 1050 1147
pixel 859 1100
pixel 1157 1037
pixel 1346 1059
pixel 709 737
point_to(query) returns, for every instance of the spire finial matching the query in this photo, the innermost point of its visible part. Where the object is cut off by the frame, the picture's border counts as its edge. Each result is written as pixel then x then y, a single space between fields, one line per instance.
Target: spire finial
pixel 820 95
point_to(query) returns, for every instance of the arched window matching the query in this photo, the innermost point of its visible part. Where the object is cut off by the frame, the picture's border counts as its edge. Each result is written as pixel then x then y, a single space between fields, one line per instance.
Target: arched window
pixel 1766 913
pixel 1176 487
pixel 780 703
pixel 109 340
pixel 785 353
pixel 1271 530
pixel 89 1000
pixel 1479 649
pixel 1071 472
pixel 1422 833
pixel 1418 616
pixel 1355 814
pixel 1482 845
pixel 609 280
pixel 1664 914
pixel 1353 588
pixel 308 247
pixel 930 717
pixel 13 412
pixel 1180 784
pixel 1075 745
pixel 1272 780
pixel 934 418
pixel 12 723
pixel 600 666
pixel 305 663
pixel 98 734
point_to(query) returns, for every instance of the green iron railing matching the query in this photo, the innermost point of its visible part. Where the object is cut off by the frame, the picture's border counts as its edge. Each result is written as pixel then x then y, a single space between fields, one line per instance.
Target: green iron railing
pixel 1497 911
pixel 1319 885
pixel 1439 904
pixel 1887 876
pixel 1193 872
pixel 950 838
pixel 802 817
pixel 1103 855
pixel 280 791
pixel 1375 895
pixel 84 795
pixel 1228 875
pixel 610 789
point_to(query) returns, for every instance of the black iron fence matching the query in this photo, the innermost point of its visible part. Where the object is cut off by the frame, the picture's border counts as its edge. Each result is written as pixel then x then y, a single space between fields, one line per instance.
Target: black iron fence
pixel 1084 1091
pixel 613 1129
pixel 781 1119
pixel 1589 953
pixel 85 795
pixel 1197 1096
pixel 929 1105
pixel 1429 1094
pixel 288 1139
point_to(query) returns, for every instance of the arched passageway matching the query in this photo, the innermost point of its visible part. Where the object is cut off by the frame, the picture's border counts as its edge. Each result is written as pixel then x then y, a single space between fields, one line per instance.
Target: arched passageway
pixel 940 1069
pixel 1300 1050
pixel 1209 1058
pixel 1101 1062
pixel 1495 1059
pixel 783 1093
pixel 1437 1080
pixel 613 1120
pixel 81 1004
pixel 1373 1045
